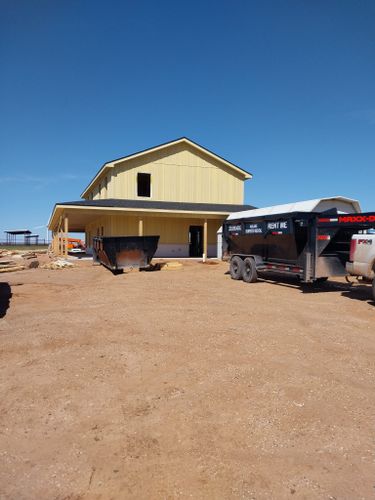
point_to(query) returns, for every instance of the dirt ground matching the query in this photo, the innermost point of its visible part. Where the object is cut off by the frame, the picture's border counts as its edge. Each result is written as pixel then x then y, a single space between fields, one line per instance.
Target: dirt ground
pixel 184 384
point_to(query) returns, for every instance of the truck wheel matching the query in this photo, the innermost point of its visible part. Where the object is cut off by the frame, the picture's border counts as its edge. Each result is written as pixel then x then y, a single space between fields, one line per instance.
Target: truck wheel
pixel 236 268
pixel 249 273
pixel 373 289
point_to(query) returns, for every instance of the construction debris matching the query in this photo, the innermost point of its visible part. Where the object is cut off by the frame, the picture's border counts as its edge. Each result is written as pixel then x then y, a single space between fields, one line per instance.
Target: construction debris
pixel 7 266
pixel 10 266
pixel 29 255
pixel 33 264
pixel 7 263
pixel 5 253
pixel 58 264
pixel 171 266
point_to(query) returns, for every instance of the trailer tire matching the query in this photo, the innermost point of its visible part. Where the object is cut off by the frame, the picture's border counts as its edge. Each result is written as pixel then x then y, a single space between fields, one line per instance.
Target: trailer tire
pixel 249 273
pixel 323 279
pixel 373 289
pixel 236 268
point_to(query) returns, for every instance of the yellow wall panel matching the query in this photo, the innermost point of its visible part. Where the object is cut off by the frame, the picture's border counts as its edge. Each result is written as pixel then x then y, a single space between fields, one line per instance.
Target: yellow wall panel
pixel 171 230
pixel 179 173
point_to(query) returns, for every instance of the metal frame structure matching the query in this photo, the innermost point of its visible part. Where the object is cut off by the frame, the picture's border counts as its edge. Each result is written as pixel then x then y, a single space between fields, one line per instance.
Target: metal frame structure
pixel 11 235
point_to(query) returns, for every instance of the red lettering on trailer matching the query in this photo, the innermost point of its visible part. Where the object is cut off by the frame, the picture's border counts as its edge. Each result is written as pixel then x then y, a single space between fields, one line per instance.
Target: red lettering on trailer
pixel 364 242
pixel 347 219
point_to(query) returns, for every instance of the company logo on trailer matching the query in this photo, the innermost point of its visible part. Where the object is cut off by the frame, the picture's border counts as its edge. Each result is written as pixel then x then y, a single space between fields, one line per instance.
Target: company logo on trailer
pixel 364 242
pixel 347 219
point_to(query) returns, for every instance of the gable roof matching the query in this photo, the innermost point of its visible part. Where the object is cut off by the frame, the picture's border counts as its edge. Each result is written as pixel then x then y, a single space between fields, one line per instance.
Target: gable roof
pixel 110 164
pixel 342 204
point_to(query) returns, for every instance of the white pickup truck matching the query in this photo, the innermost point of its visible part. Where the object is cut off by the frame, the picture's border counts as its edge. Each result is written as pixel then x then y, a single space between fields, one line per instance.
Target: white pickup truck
pixel 362 257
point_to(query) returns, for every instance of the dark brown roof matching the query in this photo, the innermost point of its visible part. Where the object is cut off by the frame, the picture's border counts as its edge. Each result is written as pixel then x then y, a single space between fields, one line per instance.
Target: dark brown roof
pixel 159 205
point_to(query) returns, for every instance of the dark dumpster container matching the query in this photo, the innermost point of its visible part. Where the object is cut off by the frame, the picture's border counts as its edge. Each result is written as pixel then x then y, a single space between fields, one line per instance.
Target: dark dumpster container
pixel 121 252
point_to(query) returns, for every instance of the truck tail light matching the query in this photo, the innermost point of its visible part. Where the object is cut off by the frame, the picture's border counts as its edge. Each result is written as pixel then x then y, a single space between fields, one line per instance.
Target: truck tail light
pixel 353 245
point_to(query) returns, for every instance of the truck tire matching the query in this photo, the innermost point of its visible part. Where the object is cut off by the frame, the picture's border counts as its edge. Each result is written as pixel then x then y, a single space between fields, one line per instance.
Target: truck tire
pixel 373 289
pixel 249 273
pixel 236 268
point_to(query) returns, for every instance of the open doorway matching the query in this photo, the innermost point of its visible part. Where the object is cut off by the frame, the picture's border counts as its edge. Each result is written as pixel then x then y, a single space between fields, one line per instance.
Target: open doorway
pixel 195 241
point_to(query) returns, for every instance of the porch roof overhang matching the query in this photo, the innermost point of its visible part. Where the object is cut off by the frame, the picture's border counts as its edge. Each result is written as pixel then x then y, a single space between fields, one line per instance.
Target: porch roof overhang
pixel 82 212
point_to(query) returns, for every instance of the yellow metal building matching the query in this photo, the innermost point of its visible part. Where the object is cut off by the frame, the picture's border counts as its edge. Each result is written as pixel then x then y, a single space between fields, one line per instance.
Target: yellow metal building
pixel 178 190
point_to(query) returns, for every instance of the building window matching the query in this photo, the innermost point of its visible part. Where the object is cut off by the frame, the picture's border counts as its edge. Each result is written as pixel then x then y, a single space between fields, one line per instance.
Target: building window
pixel 144 185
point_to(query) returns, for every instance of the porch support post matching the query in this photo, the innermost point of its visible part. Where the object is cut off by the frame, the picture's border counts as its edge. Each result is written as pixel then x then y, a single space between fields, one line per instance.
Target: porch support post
pixel 66 231
pixel 140 227
pixel 205 240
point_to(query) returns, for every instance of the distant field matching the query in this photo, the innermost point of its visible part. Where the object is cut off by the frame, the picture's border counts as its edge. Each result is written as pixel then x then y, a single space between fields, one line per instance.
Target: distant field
pixel 23 247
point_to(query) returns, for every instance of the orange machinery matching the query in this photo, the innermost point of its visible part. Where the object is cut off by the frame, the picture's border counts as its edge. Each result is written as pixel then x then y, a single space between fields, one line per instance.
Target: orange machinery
pixel 75 244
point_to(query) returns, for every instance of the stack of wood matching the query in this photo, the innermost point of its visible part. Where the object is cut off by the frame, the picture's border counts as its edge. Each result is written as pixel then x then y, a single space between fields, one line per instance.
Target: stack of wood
pixel 5 253
pixel 29 255
pixel 9 266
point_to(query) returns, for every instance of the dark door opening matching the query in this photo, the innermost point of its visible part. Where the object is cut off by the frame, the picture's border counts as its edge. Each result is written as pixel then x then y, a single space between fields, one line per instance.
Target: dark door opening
pixel 195 241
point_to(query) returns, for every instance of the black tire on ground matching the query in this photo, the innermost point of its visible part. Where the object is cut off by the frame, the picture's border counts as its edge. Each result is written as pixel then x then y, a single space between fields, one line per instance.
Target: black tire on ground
pixel 373 289
pixel 236 268
pixel 322 279
pixel 249 273
pixel 117 271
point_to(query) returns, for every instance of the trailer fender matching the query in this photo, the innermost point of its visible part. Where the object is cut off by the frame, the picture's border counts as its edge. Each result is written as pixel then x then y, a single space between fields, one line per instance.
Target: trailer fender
pixel 257 259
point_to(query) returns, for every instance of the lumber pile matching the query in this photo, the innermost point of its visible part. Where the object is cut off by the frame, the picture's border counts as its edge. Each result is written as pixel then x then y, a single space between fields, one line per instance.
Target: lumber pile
pixel 5 253
pixel 29 255
pixel 7 266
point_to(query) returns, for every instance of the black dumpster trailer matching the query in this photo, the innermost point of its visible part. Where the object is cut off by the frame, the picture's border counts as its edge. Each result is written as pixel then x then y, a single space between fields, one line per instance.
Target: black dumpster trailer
pixel 120 252
pixel 310 245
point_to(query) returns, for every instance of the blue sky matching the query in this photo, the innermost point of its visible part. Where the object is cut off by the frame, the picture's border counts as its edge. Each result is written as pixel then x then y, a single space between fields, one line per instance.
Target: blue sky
pixel 285 89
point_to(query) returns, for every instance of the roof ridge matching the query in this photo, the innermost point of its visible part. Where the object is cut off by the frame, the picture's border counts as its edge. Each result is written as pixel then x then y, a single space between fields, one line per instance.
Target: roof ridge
pixel 247 175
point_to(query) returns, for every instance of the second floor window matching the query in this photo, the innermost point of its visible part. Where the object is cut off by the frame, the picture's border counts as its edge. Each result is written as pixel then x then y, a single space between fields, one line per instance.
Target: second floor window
pixel 144 185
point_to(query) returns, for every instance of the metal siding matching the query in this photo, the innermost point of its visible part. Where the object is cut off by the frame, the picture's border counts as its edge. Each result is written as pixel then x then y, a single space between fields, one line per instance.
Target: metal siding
pixel 171 230
pixel 177 174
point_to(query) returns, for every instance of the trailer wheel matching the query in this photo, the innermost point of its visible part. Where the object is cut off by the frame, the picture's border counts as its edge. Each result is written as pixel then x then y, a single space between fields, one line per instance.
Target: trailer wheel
pixel 249 273
pixel 322 279
pixel 373 289
pixel 236 268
